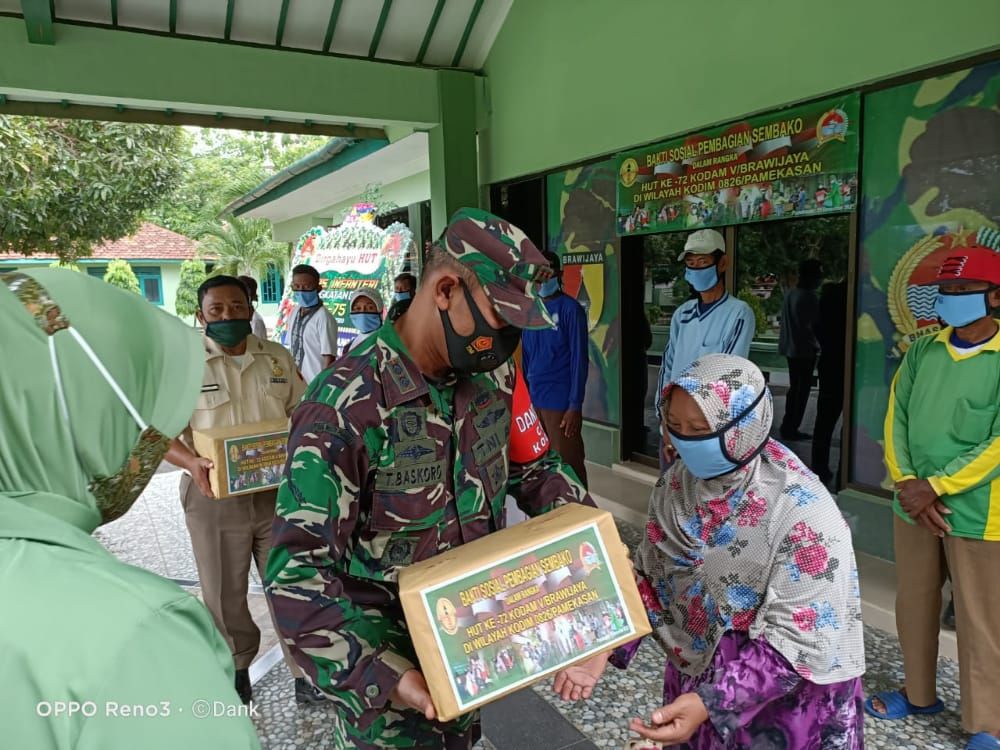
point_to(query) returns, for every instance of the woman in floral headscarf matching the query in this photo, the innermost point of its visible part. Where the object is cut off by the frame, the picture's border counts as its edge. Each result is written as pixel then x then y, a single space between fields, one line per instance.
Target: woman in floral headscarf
pixel 749 579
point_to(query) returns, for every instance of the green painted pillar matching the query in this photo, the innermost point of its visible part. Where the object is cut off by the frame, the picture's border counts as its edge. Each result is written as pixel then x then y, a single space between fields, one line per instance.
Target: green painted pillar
pixel 454 163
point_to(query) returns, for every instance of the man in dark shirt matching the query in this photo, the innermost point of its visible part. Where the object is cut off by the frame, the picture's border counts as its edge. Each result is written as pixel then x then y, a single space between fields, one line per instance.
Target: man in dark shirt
pixel 830 330
pixel 406 286
pixel 797 343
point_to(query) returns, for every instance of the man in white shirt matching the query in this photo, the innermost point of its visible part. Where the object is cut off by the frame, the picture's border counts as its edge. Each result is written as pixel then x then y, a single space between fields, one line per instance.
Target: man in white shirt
pixel 311 335
pixel 257 323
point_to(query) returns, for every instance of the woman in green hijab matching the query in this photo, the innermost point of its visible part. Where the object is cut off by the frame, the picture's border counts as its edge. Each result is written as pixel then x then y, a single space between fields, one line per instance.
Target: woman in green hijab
pixel 94 382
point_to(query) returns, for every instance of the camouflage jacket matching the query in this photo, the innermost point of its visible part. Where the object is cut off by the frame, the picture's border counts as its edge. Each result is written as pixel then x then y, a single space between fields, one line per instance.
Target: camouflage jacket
pixel 386 469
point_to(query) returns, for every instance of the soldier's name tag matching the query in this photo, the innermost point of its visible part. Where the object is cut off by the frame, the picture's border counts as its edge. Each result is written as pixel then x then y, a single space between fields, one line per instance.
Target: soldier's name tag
pixel 396 478
pixel 279 380
pixel 211 388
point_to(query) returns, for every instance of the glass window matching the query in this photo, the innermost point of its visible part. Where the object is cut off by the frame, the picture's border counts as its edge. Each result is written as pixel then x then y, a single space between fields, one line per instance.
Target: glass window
pixel 150 283
pixel 804 363
pixel 768 257
pixel 97 271
pixel 270 289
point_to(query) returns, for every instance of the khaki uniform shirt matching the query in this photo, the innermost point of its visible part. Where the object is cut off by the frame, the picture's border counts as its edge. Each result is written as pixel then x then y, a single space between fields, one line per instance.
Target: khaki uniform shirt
pixel 266 386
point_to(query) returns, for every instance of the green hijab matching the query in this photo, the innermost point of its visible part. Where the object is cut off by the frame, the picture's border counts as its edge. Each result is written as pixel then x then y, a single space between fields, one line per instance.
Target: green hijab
pixel 46 461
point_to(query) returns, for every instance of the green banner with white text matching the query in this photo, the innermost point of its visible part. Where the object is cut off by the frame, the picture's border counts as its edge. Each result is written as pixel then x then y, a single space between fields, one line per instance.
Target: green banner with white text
pixel 800 161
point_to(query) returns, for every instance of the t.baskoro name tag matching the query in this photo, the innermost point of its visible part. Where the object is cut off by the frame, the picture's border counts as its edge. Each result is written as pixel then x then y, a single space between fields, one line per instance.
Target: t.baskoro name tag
pixel 410 477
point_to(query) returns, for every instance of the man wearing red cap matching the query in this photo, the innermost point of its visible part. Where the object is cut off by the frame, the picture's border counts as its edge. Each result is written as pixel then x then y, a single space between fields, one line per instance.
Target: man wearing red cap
pixel 942 449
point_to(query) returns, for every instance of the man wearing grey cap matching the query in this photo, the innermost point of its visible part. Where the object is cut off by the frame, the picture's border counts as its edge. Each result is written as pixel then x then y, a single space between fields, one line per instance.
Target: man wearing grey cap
pixel 714 322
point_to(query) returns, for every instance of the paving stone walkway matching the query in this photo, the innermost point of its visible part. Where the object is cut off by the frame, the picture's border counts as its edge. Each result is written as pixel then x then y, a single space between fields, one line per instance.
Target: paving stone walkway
pixel 153 535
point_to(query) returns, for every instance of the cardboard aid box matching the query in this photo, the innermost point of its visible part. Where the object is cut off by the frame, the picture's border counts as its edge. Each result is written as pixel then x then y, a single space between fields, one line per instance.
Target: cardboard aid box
pixel 503 612
pixel 248 458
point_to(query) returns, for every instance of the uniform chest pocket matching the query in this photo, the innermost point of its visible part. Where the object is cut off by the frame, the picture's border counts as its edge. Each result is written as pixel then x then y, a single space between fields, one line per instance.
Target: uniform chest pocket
pixel 212 397
pixel 407 511
pixel 278 391
pixel 973 424
pixel 402 529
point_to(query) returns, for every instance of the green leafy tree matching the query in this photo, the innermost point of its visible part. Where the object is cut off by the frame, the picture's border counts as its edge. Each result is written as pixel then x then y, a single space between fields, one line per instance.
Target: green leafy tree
pixel 68 185
pixel 193 274
pixel 121 275
pixel 220 166
pixel 757 305
pixel 243 247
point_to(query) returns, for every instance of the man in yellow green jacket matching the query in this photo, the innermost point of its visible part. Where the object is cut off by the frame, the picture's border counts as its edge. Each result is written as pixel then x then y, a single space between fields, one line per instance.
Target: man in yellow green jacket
pixel 942 449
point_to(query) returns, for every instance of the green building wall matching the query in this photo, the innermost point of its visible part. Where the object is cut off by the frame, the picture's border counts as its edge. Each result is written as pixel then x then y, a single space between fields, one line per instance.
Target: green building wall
pixel 570 81
pixel 609 76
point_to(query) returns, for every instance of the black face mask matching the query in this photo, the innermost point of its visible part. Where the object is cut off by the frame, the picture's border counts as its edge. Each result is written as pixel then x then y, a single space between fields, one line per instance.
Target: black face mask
pixel 485 349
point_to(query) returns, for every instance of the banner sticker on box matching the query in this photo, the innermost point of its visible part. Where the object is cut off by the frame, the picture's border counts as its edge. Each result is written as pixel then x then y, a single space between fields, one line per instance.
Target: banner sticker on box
pixel 512 622
pixel 255 462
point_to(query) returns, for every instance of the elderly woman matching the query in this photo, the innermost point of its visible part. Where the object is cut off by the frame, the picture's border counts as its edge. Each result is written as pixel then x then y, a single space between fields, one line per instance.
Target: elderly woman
pixel 95 382
pixel 366 315
pixel 748 575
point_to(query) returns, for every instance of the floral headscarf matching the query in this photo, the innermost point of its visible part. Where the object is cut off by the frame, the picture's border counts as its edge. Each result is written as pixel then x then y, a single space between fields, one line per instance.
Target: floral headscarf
pixel 763 549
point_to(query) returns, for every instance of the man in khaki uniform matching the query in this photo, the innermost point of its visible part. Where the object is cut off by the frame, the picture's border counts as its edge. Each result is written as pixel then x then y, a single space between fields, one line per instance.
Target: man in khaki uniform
pixel 246 380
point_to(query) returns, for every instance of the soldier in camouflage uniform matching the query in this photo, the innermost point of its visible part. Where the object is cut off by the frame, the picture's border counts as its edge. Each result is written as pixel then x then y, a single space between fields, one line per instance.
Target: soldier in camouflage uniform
pixel 396 454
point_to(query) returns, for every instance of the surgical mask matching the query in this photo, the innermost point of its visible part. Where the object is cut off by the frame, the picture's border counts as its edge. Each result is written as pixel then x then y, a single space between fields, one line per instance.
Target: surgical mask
pixel 548 288
pixel 308 298
pixel 366 322
pixel 483 350
pixel 961 309
pixel 702 279
pixel 706 456
pixel 402 296
pixel 116 493
pixel 228 333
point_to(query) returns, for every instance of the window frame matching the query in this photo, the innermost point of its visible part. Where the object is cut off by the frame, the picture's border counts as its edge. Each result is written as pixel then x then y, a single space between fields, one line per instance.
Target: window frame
pixel 271 286
pixel 144 273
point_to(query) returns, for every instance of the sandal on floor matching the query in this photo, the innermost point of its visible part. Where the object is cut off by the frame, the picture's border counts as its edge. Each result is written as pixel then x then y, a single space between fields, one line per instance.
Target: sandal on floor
pixel 983 741
pixel 898 707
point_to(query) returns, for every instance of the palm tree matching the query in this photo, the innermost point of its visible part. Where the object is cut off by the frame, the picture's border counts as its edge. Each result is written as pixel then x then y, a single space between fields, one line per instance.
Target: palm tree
pixel 242 246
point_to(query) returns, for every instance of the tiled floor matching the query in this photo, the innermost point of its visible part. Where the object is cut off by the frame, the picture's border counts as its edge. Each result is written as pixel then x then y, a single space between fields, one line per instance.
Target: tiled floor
pixel 153 535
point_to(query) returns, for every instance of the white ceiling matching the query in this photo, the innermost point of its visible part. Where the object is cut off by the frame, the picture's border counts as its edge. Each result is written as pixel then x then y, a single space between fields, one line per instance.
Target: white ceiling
pixel 307 23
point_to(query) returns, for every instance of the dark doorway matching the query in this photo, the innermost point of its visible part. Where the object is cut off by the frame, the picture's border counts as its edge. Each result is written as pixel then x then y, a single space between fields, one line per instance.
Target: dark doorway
pixel 523 205
pixel 650 273
pixel 767 256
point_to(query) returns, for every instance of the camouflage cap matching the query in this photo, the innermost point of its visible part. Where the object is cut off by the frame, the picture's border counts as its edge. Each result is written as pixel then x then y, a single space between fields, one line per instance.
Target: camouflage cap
pixel 505 261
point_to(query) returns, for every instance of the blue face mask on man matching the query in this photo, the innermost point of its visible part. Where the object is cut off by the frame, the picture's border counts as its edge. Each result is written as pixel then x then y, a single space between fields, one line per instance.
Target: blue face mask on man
pixel 308 298
pixel 548 288
pixel 366 322
pixel 960 309
pixel 702 279
pixel 706 456
pixel 402 296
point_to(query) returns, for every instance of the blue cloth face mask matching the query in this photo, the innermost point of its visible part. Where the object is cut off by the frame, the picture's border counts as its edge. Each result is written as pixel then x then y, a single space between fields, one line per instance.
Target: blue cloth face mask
pixel 366 322
pixel 402 296
pixel 702 279
pixel 706 456
pixel 959 310
pixel 307 298
pixel 548 288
